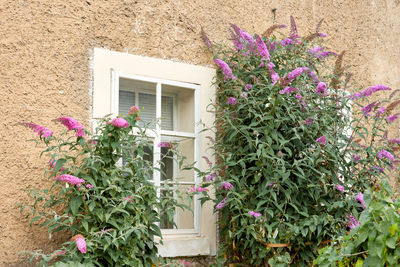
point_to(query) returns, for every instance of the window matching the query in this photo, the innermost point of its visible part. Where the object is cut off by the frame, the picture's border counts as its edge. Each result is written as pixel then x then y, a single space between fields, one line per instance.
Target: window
pixel 169 109
pixel 172 98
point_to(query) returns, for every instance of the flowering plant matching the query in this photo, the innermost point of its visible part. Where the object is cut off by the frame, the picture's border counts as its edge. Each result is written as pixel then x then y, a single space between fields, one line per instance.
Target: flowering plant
pixel 297 149
pixel 102 194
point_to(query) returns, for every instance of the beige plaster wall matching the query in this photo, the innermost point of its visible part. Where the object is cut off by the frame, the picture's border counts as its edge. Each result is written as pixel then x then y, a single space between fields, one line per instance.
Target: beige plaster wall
pixel 46 46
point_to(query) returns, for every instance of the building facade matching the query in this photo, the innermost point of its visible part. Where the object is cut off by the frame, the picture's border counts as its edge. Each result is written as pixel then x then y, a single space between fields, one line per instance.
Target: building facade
pixel 86 59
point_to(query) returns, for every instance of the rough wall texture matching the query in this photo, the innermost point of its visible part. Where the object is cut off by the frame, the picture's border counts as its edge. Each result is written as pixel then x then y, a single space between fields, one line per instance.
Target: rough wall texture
pixel 45 49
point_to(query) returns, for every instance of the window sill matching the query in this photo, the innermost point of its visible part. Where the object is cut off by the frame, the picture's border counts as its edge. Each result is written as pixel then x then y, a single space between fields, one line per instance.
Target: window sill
pixel 177 246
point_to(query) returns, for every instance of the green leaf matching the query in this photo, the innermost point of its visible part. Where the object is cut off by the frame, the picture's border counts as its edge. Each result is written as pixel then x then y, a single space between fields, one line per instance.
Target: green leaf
pixel 59 164
pixel 75 203
pixel 85 225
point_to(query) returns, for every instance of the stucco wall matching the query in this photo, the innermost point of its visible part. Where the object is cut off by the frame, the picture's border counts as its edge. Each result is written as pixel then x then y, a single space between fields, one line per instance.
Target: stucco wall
pixel 45 51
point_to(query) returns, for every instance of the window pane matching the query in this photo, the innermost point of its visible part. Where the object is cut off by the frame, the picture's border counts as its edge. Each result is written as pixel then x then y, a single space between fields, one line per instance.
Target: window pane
pixel 126 101
pixel 141 94
pixel 184 104
pixel 185 149
pixel 183 218
pixel 167 113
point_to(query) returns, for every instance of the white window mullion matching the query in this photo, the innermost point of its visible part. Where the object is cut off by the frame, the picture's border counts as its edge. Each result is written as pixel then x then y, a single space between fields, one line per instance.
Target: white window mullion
pixel 197 206
pixel 157 140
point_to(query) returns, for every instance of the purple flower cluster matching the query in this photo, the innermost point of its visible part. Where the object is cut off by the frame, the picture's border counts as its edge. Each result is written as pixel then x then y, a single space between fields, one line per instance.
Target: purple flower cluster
pixel 370 90
pixel 392 118
pixel 221 204
pixel 352 222
pixel 227 186
pixel 296 72
pixel 360 198
pixel 380 111
pixel 225 69
pixel 288 90
pixel 247 87
pixel 386 154
pixel 321 89
pixel 356 158
pixel 262 48
pixel 274 75
pixel 321 140
pixel 232 101
pixel 40 130
pixel 340 188
pixel 308 121
pixel 318 52
pixel 211 176
pixel 368 108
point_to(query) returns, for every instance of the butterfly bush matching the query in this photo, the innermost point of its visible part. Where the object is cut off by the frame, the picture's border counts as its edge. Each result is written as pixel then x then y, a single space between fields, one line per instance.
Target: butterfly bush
pixel 102 194
pixel 296 162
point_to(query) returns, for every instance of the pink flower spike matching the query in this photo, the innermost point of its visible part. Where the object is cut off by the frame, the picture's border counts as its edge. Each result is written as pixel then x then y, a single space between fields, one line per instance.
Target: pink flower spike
pixel 243 95
pixel 368 108
pixel 298 96
pixel 71 124
pixel 321 89
pixel 40 130
pixel 89 186
pixel 227 186
pixel 254 214
pixel 225 69
pixel 80 243
pixel 120 123
pixel 340 188
pixel 392 118
pixel 247 87
pixel 360 198
pixel 386 154
pixel 321 140
pixel 70 179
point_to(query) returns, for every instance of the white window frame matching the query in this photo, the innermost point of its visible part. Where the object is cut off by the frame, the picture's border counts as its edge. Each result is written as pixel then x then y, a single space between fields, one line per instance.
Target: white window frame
pixel 156 134
pixel 102 65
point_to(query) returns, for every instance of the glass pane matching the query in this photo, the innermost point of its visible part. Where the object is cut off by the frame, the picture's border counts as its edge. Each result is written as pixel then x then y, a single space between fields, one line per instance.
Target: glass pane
pixel 185 149
pixel 168 165
pixel 183 218
pixel 184 106
pixel 147 105
pixel 167 113
pixel 141 94
pixel 167 216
